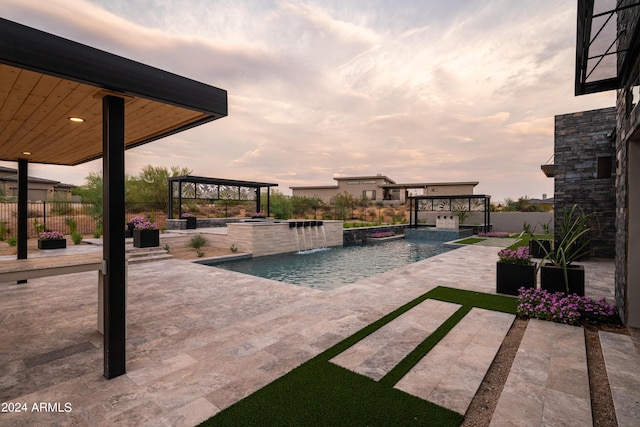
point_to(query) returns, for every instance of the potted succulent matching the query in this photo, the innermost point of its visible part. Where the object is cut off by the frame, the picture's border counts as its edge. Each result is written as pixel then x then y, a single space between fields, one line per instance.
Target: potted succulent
pixel 557 271
pixel 515 270
pixel 51 240
pixel 539 247
pixel 192 222
pixel 145 233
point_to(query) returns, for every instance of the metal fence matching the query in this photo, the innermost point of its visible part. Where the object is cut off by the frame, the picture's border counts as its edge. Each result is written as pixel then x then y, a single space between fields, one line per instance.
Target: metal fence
pixel 54 216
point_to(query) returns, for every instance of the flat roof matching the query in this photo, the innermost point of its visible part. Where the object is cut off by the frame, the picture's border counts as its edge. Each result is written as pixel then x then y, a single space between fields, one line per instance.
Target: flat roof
pixel 220 181
pixel 46 79
pixel 429 184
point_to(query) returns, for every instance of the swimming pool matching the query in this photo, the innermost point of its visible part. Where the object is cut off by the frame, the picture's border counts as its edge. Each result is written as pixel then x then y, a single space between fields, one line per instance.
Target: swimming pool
pixel 334 267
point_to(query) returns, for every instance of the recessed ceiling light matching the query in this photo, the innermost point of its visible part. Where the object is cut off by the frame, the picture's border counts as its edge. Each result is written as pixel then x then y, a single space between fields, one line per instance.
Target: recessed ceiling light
pixel 76 119
pixel 26 153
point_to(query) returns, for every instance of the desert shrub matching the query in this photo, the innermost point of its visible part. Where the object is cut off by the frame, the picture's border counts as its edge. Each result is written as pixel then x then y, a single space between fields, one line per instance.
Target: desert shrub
pixel 3 231
pixel 197 242
pixel 12 241
pixel 76 237
pixel 72 224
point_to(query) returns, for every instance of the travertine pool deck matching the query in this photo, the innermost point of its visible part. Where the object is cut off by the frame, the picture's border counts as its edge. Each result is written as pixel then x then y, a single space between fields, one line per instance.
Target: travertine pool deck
pixel 201 338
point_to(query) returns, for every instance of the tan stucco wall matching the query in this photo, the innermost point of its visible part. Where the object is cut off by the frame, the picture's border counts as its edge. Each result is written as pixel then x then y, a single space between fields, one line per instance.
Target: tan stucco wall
pixel 448 190
pixel 270 238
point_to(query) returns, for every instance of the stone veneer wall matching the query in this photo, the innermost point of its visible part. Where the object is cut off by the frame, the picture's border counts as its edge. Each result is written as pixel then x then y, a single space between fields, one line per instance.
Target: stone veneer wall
pixel 270 238
pixel 627 218
pixel 580 139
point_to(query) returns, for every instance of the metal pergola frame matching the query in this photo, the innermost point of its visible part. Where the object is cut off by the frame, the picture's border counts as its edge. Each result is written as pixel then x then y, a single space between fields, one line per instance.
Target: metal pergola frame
pixel 179 180
pixel 415 206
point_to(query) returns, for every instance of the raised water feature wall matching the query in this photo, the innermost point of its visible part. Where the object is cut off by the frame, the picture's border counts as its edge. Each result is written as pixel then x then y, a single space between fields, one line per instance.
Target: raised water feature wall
pixel 436 234
pixel 270 238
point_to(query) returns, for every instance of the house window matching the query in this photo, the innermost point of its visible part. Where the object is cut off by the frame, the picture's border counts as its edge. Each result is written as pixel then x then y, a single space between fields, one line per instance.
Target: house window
pixel 369 181
pixel 605 168
pixel 353 182
pixel 369 194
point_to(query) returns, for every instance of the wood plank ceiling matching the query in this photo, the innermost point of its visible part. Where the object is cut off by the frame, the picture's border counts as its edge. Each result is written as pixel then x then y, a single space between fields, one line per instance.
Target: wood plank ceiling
pixel 34 118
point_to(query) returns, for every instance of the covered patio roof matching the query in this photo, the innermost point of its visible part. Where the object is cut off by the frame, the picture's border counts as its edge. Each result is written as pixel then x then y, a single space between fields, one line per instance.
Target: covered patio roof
pixel 116 104
pixel 606 45
pixel 45 80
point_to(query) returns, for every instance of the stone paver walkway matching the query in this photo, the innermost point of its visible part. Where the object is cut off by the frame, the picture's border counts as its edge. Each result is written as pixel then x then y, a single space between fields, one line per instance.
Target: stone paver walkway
pixel 623 371
pixel 200 338
pixel 451 373
pixel 548 384
pixel 377 354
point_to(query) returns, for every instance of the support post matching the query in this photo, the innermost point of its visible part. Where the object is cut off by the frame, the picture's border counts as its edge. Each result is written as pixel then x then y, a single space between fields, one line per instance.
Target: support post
pixel 23 194
pixel 258 207
pixel 115 291
pixel 170 186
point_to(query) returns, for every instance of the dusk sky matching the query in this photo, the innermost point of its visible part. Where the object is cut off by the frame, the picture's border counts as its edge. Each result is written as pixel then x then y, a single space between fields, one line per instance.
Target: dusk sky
pixel 419 91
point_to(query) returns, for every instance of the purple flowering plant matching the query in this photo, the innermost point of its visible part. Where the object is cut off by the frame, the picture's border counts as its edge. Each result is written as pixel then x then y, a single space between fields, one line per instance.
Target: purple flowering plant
pixel 562 308
pixel 51 235
pixel 141 223
pixel 257 215
pixel 187 215
pixel 520 256
pixel 380 234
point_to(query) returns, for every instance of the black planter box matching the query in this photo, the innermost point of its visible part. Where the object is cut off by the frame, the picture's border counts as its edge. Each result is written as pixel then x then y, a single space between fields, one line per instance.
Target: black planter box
pixel 192 222
pixel 52 244
pixel 511 277
pixel 128 232
pixel 146 238
pixel 537 248
pixel 552 279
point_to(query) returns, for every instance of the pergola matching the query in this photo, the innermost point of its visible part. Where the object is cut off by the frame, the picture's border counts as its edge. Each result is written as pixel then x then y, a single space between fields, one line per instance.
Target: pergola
pixel 203 188
pixel 465 203
pixel 65 103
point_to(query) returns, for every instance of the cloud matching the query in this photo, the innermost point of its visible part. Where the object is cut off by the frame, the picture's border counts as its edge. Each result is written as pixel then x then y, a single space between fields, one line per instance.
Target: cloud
pixel 426 91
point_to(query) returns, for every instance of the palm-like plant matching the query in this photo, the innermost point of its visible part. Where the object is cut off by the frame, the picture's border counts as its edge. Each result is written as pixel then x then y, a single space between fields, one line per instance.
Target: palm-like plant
pixel 573 240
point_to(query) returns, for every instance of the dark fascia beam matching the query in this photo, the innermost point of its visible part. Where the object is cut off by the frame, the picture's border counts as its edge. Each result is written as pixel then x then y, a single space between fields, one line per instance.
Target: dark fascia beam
pixel 583 38
pixel 220 181
pixel 35 50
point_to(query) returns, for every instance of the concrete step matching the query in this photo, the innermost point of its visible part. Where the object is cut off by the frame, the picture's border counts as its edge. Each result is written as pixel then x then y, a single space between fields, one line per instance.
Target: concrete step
pixel 622 360
pixel 140 255
pixel 376 355
pixel 451 373
pixel 548 384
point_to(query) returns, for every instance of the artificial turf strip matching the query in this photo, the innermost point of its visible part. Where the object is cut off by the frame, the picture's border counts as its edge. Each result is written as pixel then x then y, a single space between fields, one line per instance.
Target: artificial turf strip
pixel 319 393
pixel 470 241
pixel 502 303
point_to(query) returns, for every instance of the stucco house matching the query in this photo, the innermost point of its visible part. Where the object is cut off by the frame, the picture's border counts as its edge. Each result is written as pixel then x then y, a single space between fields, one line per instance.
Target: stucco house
pixel 39 188
pixel 381 188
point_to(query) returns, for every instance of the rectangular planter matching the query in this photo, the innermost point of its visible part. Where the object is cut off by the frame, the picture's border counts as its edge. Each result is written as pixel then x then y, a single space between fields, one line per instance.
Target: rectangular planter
pixel 146 238
pixel 52 244
pixel 192 222
pixel 511 277
pixel 552 279
pixel 537 248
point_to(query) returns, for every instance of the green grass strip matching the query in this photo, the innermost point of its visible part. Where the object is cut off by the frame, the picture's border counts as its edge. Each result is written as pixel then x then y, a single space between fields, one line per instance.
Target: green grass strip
pixel 502 303
pixel 405 365
pixel 470 241
pixel 319 393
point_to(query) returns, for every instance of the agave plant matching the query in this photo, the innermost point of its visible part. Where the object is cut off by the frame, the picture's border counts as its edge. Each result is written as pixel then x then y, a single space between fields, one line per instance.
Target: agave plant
pixel 573 240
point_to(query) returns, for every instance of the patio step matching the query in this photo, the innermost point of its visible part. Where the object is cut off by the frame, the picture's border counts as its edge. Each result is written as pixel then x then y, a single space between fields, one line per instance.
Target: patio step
pixel 451 373
pixel 622 361
pixel 378 353
pixel 548 383
pixel 141 255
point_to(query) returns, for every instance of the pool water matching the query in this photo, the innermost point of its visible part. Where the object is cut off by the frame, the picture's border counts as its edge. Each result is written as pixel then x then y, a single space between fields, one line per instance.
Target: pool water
pixel 330 268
